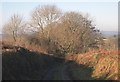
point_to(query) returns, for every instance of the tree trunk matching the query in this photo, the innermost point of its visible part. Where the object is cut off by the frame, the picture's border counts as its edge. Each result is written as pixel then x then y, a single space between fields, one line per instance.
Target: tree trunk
pixel 14 36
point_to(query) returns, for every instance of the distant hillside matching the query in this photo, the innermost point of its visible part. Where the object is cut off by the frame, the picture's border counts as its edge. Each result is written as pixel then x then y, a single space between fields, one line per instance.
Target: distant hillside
pixel 105 33
pixel 109 33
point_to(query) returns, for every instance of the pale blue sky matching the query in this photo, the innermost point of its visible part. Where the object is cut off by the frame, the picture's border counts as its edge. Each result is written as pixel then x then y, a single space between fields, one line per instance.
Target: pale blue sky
pixel 104 14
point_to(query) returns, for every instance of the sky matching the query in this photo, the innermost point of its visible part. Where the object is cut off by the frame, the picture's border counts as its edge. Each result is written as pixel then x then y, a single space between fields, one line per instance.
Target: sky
pixel 103 13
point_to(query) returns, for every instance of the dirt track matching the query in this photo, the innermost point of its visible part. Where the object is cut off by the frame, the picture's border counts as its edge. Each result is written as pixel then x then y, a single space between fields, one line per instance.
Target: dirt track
pixel 57 72
pixel 39 66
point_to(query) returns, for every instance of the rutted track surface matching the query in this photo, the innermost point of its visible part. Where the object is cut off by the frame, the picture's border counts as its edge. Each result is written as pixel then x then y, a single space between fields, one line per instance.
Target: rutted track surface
pixel 57 72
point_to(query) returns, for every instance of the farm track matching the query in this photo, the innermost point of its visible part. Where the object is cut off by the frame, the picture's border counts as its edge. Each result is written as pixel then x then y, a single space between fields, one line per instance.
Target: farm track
pixel 57 72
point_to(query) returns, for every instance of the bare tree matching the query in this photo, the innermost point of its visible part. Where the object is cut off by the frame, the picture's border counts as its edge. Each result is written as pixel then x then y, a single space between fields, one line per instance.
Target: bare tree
pixel 44 15
pixel 74 33
pixel 14 27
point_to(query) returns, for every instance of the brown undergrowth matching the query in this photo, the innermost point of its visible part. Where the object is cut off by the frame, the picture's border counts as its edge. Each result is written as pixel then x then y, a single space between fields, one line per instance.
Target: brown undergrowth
pixel 104 63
